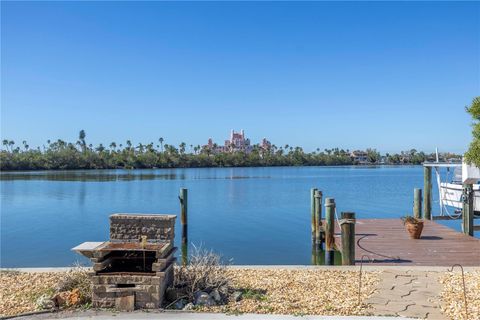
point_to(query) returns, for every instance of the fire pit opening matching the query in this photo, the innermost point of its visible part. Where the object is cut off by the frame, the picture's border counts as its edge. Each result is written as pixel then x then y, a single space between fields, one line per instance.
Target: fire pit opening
pixel 130 262
pixel 126 285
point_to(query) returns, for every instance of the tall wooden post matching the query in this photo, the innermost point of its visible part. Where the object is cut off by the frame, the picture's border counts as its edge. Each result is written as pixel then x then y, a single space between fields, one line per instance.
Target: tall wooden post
pixel 312 213
pixel 183 197
pixel 318 219
pixel 329 231
pixel 427 189
pixel 417 203
pixel 314 254
pixel 467 209
pixel 347 223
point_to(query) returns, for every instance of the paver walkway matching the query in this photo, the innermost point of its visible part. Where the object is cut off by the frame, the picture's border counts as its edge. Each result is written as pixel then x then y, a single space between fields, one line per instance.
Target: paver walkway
pixel 408 293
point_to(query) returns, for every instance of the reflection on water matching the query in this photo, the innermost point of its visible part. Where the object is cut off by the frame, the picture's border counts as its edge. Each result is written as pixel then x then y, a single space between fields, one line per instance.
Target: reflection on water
pixel 106 175
pixel 85 176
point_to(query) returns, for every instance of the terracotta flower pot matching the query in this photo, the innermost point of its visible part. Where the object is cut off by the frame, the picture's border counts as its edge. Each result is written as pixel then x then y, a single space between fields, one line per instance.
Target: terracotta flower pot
pixel 414 229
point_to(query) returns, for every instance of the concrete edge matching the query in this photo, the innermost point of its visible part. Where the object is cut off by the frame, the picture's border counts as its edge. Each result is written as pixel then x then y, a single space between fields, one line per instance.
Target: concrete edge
pixel 365 267
pixel 40 270
pixel 182 315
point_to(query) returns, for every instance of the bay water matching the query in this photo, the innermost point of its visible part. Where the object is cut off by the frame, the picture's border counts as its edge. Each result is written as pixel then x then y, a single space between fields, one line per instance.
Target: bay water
pixel 247 215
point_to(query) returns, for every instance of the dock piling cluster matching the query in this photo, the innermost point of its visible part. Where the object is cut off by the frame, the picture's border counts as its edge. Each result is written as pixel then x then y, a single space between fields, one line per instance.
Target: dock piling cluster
pixel 323 234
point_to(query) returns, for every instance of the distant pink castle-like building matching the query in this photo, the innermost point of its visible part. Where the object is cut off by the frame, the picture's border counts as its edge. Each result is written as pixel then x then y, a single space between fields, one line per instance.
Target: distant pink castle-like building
pixel 237 142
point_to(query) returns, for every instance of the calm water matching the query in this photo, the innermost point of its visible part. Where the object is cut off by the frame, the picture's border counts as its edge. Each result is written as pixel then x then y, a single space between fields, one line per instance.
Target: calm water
pixel 252 215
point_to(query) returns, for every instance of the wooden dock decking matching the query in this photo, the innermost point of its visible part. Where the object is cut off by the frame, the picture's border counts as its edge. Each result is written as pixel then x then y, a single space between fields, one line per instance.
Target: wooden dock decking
pixel 386 242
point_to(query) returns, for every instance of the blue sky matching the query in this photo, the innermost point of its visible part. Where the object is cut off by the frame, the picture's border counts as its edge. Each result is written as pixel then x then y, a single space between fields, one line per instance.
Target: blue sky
pixel 387 75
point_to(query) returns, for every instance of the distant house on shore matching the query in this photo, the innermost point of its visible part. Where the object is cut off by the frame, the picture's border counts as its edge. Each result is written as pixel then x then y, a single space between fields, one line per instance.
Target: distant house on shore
pixel 359 156
pixel 237 142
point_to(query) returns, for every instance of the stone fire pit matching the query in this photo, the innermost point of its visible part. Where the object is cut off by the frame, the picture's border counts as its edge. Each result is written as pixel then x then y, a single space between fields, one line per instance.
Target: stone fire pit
pixel 132 269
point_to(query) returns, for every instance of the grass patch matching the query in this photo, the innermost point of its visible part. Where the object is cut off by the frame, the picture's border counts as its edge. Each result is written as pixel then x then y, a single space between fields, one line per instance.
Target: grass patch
pixel 255 294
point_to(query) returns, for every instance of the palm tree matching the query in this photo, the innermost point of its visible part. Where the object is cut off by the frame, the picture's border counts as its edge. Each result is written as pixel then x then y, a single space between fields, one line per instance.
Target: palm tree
pixel 182 147
pixel 113 146
pixel 81 137
pixel 161 143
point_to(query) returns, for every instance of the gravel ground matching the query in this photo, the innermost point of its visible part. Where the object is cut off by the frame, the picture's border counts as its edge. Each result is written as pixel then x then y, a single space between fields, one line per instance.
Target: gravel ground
pixel 452 295
pixel 300 292
pixel 20 290
pixel 275 291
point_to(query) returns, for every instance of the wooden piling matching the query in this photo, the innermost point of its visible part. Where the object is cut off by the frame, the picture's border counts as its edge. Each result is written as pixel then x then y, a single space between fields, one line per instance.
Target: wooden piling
pixel 467 209
pixel 347 224
pixel 183 197
pixel 417 203
pixel 312 213
pixel 427 190
pixel 183 214
pixel 318 219
pixel 184 254
pixel 329 231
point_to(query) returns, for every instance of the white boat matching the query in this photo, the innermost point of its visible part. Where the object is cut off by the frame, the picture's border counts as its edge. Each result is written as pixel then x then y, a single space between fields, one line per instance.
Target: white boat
pixel 451 195
pixel 451 191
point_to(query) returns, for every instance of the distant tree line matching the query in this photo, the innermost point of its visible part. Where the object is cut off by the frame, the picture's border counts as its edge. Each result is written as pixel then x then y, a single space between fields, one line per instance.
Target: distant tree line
pixel 62 155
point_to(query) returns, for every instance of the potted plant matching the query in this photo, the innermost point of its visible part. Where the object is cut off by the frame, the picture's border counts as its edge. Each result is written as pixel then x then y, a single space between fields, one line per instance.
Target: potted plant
pixel 414 226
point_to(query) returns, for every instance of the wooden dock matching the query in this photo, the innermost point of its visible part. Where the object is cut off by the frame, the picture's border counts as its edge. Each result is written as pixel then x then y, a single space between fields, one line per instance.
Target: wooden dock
pixel 386 242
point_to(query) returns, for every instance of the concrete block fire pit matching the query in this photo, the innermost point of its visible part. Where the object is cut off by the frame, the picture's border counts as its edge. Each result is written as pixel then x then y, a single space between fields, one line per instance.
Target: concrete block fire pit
pixel 132 269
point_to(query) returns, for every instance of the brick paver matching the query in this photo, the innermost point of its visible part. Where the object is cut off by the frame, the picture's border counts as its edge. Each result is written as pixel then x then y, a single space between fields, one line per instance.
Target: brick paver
pixel 408 293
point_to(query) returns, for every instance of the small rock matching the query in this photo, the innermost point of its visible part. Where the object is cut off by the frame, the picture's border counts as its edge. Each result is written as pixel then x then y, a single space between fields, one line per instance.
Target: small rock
pixel 189 306
pixel 216 296
pixel 203 299
pixel 61 298
pixel 180 304
pixel 44 302
pixel 237 296
pixel 150 305
pixel 74 297
pixel 223 290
